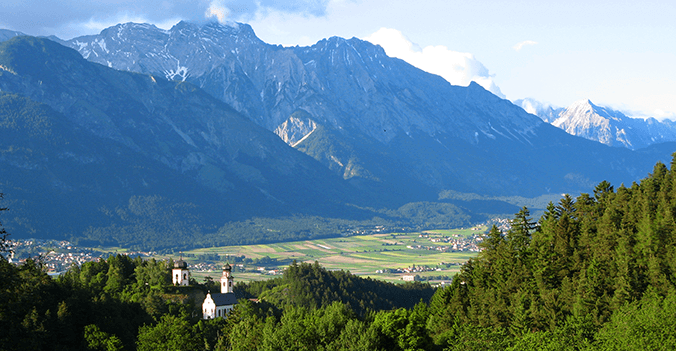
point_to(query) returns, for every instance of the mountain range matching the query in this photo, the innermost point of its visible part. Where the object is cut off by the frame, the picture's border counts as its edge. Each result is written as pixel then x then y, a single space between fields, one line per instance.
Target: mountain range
pixel 603 124
pixel 179 132
pixel 355 92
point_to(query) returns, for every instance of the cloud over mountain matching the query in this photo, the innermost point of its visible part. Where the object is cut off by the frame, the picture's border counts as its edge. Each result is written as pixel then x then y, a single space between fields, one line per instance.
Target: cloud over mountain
pixel 520 45
pixel 231 10
pixel 78 17
pixel 458 68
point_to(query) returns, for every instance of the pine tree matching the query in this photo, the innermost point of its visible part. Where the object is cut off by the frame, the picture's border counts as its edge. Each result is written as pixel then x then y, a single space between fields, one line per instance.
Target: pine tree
pixel 519 236
pixel 5 244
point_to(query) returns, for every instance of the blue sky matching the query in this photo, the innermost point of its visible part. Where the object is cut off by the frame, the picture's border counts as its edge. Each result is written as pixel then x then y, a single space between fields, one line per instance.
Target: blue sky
pixel 616 53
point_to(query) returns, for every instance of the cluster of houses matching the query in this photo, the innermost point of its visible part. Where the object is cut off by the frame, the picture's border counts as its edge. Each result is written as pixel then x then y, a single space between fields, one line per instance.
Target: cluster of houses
pixel 409 272
pixel 458 243
pixel 59 255
pixel 215 305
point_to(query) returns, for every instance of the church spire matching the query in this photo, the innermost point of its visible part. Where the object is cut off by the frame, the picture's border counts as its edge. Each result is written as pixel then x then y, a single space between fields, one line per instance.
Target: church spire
pixel 227 281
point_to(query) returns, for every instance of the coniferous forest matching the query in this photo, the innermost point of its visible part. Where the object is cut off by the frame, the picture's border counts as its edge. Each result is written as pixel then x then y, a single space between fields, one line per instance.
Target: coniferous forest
pixel 596 272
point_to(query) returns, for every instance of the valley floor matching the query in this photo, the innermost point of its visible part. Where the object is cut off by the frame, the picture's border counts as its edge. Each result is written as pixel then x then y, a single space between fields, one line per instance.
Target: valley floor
pixel 433 256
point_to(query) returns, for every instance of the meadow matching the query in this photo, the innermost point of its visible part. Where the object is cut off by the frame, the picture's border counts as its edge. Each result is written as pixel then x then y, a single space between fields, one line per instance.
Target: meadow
pixel 364 255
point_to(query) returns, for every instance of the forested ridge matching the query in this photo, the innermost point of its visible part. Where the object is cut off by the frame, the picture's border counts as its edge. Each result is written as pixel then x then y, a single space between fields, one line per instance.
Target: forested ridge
pixel 593 273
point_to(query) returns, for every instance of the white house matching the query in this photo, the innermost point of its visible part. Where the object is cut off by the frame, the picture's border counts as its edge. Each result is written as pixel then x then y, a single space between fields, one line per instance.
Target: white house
pixel 218 305
pixel 180 275
pixel 411 278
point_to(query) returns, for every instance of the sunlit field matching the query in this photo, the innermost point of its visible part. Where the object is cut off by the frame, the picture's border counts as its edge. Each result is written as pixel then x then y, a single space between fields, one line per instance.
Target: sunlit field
pixel 364 255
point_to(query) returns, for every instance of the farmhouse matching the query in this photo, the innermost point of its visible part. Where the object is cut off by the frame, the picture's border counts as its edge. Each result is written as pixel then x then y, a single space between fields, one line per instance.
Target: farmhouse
pixel 411 278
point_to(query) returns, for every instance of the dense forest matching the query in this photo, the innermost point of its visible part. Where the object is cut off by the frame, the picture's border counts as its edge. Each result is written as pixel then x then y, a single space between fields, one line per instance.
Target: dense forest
pixel 593 273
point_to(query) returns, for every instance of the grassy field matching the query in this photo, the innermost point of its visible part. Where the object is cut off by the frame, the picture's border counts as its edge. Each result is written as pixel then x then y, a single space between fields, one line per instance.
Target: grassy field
pixel 362 255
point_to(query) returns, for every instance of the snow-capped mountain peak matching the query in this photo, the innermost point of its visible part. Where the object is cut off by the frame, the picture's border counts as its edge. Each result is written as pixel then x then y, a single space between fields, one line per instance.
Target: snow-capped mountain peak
pixel 614 128
pixel 587 108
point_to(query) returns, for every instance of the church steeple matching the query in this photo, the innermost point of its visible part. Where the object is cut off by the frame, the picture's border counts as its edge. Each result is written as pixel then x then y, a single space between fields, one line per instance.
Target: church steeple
pixel 180 275
pixel 227 281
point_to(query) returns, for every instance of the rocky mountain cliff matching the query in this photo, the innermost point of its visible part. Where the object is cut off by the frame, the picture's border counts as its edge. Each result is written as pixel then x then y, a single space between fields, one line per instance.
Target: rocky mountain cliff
pixel 345 84
pixel 384 123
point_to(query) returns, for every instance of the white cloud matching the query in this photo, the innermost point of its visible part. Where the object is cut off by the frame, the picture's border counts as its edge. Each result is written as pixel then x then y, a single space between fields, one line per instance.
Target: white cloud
pixel 217 9
pixel 246 10
pixel 658 114
pixel 71 18
pixel 662 115
pixel 94 25
pixel 458 68
pixel 520 45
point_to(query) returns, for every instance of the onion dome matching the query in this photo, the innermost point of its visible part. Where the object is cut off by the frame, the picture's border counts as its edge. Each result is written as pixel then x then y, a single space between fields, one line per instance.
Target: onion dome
pixel 181 264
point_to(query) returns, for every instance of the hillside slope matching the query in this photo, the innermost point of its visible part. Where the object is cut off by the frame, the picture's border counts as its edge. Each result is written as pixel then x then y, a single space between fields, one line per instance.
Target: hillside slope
pixel 82 138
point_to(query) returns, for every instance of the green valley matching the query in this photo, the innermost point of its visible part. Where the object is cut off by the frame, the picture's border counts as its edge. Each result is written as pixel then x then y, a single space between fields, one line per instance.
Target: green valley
pixel 383 256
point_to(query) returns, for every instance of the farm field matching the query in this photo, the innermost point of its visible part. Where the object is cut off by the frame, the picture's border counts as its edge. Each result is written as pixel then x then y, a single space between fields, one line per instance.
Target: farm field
pixel 365 255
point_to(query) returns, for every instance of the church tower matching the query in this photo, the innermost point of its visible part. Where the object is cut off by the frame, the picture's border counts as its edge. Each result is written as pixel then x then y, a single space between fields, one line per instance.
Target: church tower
pixel 219 305
pixel 227 281
pixel 180 275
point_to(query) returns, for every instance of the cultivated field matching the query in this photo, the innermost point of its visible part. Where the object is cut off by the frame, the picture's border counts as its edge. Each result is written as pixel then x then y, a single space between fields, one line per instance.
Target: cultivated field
pixel 363 255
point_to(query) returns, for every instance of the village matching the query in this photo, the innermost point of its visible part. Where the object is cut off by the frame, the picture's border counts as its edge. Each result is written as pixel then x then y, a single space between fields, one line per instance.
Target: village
pixel 59 255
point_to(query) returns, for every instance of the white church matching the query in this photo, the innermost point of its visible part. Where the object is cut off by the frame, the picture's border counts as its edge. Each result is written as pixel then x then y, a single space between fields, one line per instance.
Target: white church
pixel 214 305
pixel 218 305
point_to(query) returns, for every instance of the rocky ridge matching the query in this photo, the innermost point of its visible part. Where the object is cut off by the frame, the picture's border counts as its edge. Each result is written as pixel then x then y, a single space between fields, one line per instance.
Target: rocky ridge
pixel 603 124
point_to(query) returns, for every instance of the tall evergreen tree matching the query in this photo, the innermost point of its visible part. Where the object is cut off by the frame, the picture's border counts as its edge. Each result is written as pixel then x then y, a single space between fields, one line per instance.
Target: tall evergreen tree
pixel 5 244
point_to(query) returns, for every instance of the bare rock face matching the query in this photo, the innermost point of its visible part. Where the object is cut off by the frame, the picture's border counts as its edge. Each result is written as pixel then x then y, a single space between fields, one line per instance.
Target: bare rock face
pixel 296 128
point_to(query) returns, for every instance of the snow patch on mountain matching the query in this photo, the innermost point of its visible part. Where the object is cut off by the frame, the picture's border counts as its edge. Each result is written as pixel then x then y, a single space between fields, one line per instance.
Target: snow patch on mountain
pixel 180 71
pixel 102 44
